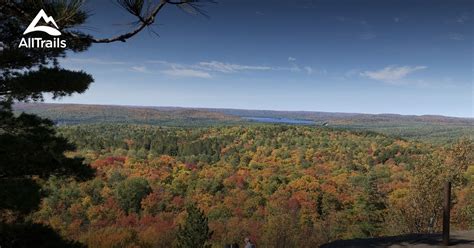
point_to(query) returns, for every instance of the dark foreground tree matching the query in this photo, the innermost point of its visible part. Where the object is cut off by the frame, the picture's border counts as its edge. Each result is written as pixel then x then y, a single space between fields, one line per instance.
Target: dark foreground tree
pixel 194 233
pixel 30 149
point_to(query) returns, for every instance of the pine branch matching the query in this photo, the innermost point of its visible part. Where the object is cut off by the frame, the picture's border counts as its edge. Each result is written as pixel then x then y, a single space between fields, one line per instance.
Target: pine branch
pixel 135 8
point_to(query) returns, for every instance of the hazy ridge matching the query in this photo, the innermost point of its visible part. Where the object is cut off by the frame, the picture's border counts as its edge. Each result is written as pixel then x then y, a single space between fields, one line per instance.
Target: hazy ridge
pixel 433 128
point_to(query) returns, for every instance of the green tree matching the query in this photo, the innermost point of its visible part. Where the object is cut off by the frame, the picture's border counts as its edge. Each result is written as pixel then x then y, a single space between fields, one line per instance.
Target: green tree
pixel 131 192
pixel 194 233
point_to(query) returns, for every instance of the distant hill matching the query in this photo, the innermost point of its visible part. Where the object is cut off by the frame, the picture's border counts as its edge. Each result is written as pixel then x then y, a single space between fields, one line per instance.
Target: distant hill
pixel 68 114
pixel 432 128
pixel 342 118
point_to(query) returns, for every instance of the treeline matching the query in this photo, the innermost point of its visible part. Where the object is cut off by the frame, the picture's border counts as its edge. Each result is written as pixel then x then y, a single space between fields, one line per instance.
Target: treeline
pixel 71 114
pixel 283 186
pixel 430 129
pixel 434 133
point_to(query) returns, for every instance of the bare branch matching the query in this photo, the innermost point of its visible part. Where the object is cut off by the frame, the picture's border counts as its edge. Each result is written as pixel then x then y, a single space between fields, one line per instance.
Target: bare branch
pixel 144 22
pixel 134 7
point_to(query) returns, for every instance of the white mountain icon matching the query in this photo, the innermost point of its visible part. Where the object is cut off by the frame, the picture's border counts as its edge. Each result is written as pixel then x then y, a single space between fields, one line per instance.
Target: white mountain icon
pixel 48 19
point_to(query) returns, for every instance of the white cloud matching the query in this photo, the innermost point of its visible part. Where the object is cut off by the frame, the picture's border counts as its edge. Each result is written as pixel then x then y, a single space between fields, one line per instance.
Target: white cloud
pixel 206 69
pixel 163 62
pixel 141 69
pixel 392 73
pixel 180 72
pixel 462 18
pixel 228 68
pixel 294 66
pixel 455 36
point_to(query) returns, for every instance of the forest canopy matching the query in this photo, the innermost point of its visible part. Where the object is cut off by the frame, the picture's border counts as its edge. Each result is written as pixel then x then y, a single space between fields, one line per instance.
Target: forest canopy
pixel 278 184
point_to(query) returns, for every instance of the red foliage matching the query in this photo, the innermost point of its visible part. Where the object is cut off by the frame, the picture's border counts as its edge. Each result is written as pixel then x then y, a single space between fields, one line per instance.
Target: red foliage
pixel 100 163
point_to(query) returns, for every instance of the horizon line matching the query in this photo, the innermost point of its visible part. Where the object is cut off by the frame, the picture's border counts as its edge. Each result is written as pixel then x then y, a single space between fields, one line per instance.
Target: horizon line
pixel 231 108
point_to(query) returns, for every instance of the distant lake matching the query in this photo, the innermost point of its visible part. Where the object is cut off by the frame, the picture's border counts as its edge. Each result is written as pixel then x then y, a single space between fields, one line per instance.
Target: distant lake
pixel 278 120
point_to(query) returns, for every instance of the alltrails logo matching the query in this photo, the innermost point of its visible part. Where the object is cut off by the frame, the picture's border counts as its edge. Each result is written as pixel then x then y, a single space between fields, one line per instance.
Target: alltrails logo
pixel 32 42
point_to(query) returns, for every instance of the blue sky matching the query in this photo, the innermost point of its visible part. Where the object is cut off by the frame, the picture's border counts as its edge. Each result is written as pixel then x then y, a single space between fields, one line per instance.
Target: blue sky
pixel 406 57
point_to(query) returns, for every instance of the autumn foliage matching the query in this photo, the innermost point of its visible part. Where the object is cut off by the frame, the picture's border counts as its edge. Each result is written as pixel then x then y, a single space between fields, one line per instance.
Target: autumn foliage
pixel 283 186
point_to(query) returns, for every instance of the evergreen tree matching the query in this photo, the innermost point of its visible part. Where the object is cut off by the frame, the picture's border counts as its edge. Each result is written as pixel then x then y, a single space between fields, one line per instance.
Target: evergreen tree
pixel 131 192
pixel 29 146
pixel 194 233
